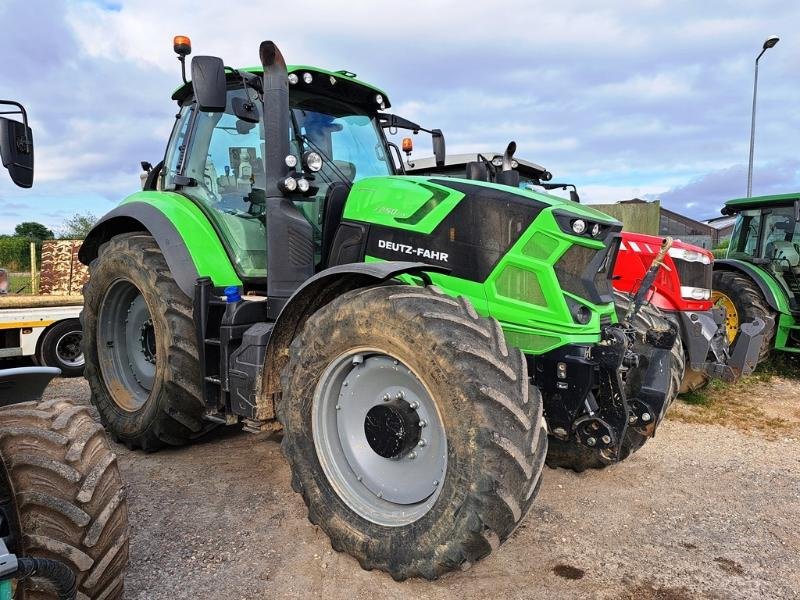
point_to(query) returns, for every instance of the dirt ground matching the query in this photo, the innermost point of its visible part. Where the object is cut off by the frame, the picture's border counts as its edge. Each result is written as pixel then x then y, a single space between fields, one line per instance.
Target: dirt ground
pixel 702 511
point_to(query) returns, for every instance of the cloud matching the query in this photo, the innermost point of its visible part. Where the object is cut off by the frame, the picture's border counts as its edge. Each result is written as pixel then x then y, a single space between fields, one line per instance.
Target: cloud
pixel 652 99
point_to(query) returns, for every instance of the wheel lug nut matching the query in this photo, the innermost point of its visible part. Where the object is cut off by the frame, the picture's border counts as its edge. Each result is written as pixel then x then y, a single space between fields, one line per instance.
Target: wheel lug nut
pixel 422 443
pixel 606 439
pixel 414 405
pixel 338 407
pixel 591 441
pixel 646 417
pixel 423 424
pixel 380 494
pixel 412 455
pixel 386 397
pixel 400 396
pixel 632 419
pixel 435 482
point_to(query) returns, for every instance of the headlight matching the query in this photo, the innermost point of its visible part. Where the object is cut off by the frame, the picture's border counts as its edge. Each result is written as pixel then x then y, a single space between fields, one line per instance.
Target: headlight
pixel 379 98
pixel 303 185
pixel 579 226
pixel 595 230
pixel 497 161
pixel 695 293
pixel 689 255
pixel 307 77
pixel 289 184
pixel 291 161
pixel 312 160
pixel 293 78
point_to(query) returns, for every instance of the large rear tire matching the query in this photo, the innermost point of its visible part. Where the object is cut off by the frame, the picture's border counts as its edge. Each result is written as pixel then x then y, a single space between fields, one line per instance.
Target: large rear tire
pixel 62 496
pixel 461 403
pixel 140 346
pixel 744 303
pixel 569 454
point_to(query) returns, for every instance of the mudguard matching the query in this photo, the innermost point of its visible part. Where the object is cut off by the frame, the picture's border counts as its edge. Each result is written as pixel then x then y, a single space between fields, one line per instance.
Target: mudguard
pixel 190 245
pixel 779 304
pixel 24 384
pixel 316 292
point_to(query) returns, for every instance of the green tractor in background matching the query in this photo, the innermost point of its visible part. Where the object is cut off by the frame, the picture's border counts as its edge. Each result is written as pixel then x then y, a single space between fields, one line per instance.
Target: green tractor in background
pixel 408 333
pixel 760 278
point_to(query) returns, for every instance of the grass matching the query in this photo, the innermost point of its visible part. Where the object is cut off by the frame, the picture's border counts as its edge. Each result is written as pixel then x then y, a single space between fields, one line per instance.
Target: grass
pixel 19 283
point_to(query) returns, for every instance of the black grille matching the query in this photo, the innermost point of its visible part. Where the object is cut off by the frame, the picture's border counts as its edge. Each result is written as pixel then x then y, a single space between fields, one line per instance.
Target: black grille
pixel 585 272
pixel 694 274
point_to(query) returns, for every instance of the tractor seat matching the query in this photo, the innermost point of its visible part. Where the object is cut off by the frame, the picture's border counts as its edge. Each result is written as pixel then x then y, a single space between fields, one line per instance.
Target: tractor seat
pixel 332 210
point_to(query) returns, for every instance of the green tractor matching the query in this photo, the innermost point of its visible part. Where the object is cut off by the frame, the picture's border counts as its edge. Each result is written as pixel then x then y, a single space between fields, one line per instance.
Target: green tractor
pixel 407 333
pixel 760 278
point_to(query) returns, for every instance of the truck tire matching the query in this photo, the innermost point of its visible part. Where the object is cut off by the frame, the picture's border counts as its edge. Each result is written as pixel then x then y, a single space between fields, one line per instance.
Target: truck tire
pixel 142 362
pixel 411 429
pixel 61 496
pixel 569 454
pixel 743 301
pixel 60 346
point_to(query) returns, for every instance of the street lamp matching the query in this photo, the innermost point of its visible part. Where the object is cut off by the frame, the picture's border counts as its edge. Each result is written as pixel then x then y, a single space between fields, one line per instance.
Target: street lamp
pixel 768 43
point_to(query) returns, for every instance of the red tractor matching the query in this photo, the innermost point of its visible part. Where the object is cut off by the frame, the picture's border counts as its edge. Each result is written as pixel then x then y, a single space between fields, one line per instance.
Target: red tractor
pixel 681 289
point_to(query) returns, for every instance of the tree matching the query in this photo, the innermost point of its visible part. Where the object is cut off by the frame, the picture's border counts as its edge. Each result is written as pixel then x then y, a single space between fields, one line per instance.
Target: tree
pixel 78 226
pixel 31 230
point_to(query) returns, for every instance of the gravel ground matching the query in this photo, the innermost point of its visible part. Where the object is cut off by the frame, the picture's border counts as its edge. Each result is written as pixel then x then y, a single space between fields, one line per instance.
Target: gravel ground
pixel 702 511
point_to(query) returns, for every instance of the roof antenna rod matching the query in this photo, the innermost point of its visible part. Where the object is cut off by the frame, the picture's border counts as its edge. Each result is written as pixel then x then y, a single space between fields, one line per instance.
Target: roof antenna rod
pixel 182 46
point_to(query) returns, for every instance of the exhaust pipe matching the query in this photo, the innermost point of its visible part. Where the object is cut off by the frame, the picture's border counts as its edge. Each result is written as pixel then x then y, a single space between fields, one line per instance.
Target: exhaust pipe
pixel 290 240
pixel 276 116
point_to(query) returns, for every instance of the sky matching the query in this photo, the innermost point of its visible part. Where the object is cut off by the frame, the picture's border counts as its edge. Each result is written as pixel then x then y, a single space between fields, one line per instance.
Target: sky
pixel 649 99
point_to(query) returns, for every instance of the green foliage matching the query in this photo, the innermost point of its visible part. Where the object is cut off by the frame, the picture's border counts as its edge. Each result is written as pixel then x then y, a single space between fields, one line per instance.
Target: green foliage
pixel 33 231
pixel 15 253
pixel 78 226
pixel 723 245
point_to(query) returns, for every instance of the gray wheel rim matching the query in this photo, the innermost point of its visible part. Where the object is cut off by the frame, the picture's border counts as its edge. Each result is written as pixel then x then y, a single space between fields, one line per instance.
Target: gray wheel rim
pixel 379 437
pixel 68 349
pixel 126 345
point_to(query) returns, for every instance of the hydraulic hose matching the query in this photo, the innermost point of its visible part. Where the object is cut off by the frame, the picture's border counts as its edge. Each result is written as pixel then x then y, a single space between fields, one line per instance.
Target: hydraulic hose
pixel 54 571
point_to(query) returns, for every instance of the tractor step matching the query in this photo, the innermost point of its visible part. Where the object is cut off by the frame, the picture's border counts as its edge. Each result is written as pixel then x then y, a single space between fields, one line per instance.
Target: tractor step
pixel 221 419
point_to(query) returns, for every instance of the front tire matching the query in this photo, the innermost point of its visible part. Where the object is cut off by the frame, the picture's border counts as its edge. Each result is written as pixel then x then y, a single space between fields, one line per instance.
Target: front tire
pixel 62 496
pixel 141 351
pixel 404 355
pixel 570 454
pixel 743 303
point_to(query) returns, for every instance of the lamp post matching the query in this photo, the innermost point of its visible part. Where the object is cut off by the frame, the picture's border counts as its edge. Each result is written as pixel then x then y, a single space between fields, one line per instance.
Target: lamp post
pixel 768 43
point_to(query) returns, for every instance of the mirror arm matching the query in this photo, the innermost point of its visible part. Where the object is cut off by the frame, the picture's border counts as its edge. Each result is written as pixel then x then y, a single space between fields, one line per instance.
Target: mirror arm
pixel 20 111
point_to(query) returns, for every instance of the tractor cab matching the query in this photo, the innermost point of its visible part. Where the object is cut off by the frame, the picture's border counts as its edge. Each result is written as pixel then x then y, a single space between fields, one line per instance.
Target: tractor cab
pixel 767 234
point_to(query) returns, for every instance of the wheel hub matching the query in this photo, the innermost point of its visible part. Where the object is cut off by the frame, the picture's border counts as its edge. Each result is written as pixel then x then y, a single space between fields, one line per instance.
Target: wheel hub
pixel 379 438
pixel 731 314
pixel 68 349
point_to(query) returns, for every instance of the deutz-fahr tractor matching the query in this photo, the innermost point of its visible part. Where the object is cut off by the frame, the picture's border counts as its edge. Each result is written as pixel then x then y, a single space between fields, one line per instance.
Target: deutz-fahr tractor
pixel 63 517
pixel 681 290
pixel 406 332
pixel 760 278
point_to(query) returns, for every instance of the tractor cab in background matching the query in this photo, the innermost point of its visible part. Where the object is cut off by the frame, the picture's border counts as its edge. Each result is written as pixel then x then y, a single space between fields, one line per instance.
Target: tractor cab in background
pixel 761 273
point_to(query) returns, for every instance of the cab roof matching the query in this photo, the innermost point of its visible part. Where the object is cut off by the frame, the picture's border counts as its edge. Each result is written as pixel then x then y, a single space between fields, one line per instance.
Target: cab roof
pixel 759 201
pixel 364 92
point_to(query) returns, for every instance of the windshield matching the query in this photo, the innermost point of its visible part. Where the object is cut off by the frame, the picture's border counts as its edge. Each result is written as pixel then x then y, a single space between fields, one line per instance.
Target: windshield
pixel 348 140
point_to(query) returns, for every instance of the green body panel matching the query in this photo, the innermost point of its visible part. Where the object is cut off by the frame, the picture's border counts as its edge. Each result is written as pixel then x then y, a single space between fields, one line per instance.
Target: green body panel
pixel 202 241
pixel 786 322
pixel 761 201
pixel 536 324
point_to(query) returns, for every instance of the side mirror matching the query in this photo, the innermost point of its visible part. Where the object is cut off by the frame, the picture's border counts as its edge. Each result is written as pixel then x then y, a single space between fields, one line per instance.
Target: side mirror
pixel 208 82
pixel 16 151
pixel 573 195
pixel 437 138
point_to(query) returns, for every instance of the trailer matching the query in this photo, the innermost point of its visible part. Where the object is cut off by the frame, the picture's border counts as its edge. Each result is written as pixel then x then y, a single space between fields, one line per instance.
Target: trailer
pixel 45 328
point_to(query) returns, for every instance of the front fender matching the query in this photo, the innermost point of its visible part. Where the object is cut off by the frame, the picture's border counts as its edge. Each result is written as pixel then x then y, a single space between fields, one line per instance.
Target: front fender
pixel 185 236
pixel 24 384
pixel 772 292
pixel 315 293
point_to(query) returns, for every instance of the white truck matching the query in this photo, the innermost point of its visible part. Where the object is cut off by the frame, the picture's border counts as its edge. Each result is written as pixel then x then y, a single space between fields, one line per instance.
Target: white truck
pixel 45 328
